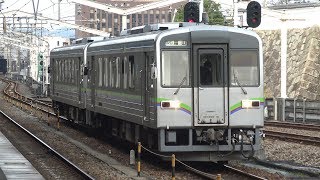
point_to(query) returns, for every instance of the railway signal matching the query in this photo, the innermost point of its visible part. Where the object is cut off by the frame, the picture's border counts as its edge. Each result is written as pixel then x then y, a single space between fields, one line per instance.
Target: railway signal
pixel 253 14
pixel 191 12
pixel 40 66
pixel 41 59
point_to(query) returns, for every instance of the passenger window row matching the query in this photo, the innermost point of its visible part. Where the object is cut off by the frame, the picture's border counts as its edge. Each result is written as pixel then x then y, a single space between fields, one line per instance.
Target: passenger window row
pixel 115 72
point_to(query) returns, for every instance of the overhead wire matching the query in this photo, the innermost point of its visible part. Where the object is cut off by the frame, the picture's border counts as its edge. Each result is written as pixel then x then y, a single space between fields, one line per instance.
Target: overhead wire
pixel 10 5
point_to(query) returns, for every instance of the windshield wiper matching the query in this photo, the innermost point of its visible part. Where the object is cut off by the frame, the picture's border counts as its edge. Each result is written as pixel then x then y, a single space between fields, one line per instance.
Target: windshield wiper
pixel 237 81
pixel 184 79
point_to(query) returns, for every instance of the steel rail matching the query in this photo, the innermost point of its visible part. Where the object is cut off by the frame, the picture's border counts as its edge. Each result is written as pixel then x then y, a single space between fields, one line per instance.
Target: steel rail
pixel 313 127
pixel 294 137
pixel 243 173
pixel 56 153
pixel 195 171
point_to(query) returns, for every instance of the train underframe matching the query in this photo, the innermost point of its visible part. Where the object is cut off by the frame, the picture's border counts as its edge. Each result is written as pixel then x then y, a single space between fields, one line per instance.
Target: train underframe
pixel 197 144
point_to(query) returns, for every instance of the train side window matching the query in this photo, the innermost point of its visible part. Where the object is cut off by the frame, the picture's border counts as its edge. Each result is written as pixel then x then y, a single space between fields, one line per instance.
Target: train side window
pixel 65 70
pixel 125 72
pixel 100 68
pixel 72 70
pixel 131 72
pixel 59 69
pixel 118 70
pixel 113 72
pixel 69 70
pixel 66 67
pixel 56 71
pixel 106 71
pixel 62 70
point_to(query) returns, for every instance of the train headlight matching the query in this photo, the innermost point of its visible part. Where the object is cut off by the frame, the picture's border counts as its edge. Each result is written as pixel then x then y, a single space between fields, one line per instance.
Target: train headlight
pixel 250 104
pixel 170 104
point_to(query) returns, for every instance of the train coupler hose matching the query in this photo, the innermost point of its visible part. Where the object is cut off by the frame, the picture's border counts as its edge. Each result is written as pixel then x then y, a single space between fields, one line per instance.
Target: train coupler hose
pixel 241 146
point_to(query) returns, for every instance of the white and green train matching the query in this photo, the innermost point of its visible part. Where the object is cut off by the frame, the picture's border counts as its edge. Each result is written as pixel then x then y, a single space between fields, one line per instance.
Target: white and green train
pixel 191 89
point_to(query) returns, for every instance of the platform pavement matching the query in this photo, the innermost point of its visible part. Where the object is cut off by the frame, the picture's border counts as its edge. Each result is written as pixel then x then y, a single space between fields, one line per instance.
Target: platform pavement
pixel 13 165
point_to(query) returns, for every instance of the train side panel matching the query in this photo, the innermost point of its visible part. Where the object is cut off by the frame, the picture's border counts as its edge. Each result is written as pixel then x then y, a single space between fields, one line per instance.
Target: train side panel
pixel 66 78
pixel 122 87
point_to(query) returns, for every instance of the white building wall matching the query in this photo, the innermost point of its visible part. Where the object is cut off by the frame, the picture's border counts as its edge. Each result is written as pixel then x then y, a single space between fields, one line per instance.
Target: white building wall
pixel 46 44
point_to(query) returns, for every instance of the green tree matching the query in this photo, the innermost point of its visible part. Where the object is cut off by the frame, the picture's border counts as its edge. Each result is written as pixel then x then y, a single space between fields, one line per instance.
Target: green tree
pixel 211 8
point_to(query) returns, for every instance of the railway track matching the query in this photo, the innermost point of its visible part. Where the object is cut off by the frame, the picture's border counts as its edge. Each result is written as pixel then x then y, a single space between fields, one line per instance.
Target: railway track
pixel 47 108
pixel 65 160
pixel 23 101
pixel 293 137
pixel 11 90
pixel 311 127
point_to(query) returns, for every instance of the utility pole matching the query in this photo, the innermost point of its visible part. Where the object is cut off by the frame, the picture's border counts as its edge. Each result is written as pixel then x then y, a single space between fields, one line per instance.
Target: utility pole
pixel 59 3
pixel 235 13
pixel 283 65
pixel 200 10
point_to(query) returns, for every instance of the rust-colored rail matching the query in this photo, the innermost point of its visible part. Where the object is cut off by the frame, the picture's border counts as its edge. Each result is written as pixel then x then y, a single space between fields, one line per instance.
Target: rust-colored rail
pixel 293 137
pixel 312 127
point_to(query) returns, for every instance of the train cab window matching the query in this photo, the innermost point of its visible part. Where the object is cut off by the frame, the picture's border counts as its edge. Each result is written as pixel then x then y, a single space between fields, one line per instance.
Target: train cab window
pixel 131 72
pixel 175 68
pixel 100 73
pixel 244 68
pixel 106 71
pixel 211 69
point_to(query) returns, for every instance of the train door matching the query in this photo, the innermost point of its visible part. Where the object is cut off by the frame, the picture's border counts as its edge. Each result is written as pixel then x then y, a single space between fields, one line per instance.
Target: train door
pixel 79 77
pixel 91 80
pixel 149 88
pixel 211 90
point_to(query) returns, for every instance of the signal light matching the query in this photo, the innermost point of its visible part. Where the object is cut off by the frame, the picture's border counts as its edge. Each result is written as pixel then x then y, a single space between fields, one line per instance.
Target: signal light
pixel 191 12
pixel 253 14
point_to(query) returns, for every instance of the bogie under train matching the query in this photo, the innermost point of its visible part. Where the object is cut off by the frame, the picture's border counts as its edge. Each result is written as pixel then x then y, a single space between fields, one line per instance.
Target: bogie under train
pixel 193 90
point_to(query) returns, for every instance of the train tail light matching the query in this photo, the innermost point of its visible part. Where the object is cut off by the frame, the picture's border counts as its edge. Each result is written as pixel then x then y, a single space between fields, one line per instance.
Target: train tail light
pixel 170 104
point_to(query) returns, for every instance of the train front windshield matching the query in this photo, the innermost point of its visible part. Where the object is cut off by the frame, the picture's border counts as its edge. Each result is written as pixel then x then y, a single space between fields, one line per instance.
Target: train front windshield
pixel 244 67
pixel 175 68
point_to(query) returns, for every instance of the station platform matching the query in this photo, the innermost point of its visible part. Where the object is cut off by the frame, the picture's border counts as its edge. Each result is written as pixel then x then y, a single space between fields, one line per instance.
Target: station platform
pixel 13 165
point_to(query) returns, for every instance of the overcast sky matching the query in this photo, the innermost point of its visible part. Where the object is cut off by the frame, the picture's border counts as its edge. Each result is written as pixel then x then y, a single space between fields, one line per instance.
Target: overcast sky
pixel 48 8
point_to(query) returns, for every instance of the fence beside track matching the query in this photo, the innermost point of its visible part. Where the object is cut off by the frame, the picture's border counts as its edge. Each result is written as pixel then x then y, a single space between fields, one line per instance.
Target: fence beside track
pixel 293 110
pixel 175 160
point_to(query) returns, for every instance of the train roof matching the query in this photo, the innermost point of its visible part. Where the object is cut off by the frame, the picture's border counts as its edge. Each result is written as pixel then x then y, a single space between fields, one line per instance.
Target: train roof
pixel 152 32
pixel 70 48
